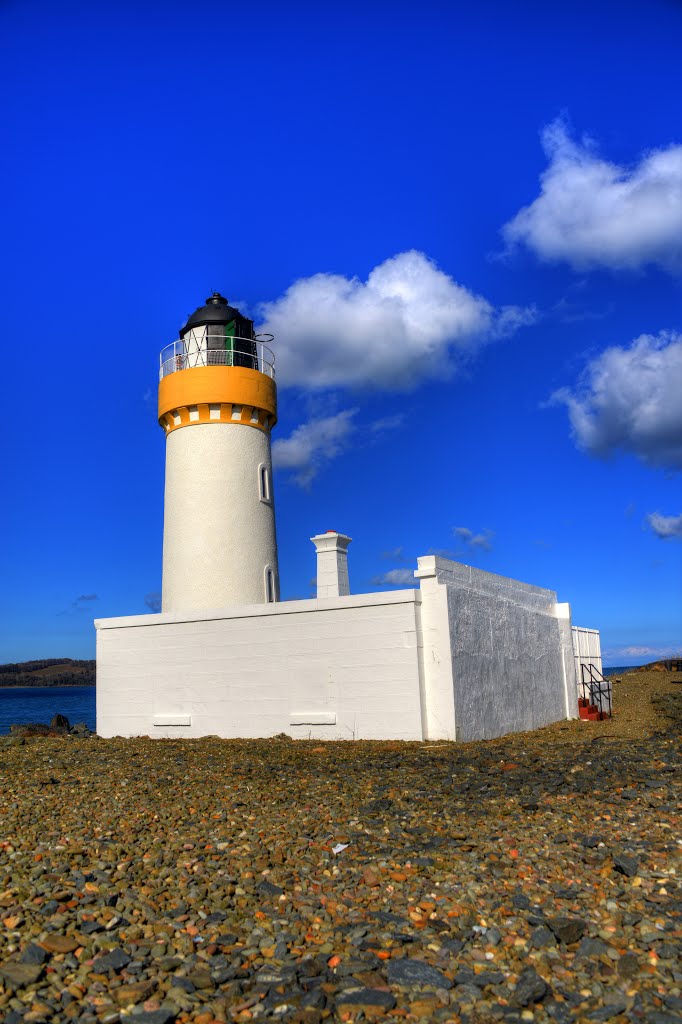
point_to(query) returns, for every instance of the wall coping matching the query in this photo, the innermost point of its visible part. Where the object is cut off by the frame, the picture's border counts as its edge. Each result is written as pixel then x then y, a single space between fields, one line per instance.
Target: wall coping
pixel 255 611
pixel 447 571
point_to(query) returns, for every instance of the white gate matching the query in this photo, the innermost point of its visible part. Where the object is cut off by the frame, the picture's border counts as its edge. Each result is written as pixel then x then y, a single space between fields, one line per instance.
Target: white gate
pixel 586 650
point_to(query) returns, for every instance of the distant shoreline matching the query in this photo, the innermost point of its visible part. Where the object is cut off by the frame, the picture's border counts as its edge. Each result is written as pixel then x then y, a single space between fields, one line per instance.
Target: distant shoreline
pixel 44 685
pixel 47 672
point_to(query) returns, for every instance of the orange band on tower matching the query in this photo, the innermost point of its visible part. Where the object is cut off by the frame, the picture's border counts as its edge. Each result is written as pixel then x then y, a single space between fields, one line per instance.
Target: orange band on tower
pixel 202 386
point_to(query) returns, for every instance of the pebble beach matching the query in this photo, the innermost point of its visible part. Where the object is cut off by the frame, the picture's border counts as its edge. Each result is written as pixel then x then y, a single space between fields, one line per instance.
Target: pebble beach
pixel 529 878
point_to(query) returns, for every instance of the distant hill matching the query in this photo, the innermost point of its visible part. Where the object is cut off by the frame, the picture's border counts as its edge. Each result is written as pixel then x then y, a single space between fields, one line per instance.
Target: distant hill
pixel 665 665
pixel 48 672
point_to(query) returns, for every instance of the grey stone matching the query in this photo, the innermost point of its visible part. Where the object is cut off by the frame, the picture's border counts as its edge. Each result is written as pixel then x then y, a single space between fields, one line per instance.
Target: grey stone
pixel 164 1015
pixel 625 865
pixel 628 965
pixel 368 963
pixel 488 978
pixel 269 976
pixel 34 954
pixel 542 936
pixel 567 929
pixel 382 804
pixel 592 841
pixel 452 946
pixel 200 978
pixel 590 947
pixel 608 1010
pixel 184 983
pixel 309 968
pixel 416 972
pixel 115 960
pixel 558 1012
pixel 223 974
pixel 19 975
pixel 373 997
pixel 465 976
pixel 216 916
pixel 530 988
pixel 91 927
pixel 386 917
pixel 520 901
pixel 169 963
pixel 266 888
pixel 468 993
pixel 313 999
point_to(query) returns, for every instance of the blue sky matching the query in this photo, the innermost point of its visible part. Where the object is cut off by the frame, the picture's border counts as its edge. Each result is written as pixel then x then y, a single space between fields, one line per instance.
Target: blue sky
pixel 462 222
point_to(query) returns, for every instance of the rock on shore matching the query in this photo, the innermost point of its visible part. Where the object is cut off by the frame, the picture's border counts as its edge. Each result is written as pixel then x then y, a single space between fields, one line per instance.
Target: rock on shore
pixel 59 726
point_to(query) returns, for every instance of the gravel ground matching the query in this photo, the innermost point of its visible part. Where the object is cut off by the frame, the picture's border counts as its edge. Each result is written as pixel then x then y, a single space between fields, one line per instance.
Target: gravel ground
pixel 531 878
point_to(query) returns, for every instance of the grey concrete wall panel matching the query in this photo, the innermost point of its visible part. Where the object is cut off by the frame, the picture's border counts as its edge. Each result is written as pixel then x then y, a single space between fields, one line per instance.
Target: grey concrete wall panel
pixel 508 658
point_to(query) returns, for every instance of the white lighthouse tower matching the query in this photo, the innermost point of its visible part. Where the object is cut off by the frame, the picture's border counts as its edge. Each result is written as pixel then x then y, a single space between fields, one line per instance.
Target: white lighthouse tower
pixel 217 405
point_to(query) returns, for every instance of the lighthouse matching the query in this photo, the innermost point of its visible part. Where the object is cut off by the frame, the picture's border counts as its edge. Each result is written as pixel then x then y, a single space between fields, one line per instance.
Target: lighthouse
pixel 217 407
pixel 467 656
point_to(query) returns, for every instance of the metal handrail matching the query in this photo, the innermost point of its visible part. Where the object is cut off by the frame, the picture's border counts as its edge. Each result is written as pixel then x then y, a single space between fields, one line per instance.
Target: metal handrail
pixel 598 695
pixel 249 352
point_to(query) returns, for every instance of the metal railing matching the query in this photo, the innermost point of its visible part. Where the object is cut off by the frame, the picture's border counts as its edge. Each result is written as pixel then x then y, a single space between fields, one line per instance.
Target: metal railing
pixel 233 351
pixel 595 688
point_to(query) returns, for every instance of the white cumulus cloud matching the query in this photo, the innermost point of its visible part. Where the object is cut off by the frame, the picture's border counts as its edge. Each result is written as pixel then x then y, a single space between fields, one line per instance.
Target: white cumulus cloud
pixel 641 651
pixel 591 212
pixel 666 527
pixel 628 399
pixel 395 578
pixel 483 541
pixel 312 444
pixel 408 321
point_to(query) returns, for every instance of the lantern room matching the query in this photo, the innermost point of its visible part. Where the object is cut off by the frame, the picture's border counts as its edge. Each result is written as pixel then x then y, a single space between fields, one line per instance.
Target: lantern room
pixel 216 334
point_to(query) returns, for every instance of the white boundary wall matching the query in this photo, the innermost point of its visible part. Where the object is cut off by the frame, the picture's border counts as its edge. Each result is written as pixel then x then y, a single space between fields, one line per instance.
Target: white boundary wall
pixel 470 655
pixel 338 668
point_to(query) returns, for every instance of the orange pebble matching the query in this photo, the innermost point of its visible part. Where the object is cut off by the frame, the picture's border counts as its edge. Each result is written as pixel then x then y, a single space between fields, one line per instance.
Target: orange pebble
pixel 334 961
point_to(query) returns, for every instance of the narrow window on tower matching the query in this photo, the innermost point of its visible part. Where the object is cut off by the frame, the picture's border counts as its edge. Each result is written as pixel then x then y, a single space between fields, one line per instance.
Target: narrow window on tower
pixel 270 593
pixel 264 484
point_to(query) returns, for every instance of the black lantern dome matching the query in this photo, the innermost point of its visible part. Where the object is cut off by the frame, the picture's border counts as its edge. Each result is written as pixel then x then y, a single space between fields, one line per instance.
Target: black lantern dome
pixel 223 336
pixel 217 311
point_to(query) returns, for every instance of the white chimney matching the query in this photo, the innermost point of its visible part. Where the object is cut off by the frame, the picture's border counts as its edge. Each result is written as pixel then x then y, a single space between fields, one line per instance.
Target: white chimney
pixel 332 564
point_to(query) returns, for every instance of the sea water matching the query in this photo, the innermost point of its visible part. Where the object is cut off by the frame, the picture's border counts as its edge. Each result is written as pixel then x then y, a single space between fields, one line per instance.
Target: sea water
pixel 22 704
